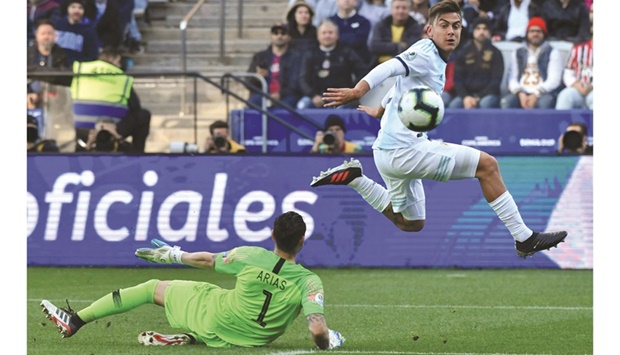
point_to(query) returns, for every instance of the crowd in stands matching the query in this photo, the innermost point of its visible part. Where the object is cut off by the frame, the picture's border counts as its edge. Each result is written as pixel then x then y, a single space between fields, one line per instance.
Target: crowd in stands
pixel 353 36
pixel 333 43
pixel 85 37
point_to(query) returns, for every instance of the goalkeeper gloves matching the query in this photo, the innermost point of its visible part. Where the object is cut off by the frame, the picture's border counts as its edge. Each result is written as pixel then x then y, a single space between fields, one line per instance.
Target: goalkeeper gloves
pixel 161 254
pixel 335 339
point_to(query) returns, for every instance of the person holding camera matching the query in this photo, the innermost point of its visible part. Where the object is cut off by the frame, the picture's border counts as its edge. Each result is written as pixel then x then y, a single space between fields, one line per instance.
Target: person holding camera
pixel 575 140
pixel 220 142
pixel 331 140
pixel 105 139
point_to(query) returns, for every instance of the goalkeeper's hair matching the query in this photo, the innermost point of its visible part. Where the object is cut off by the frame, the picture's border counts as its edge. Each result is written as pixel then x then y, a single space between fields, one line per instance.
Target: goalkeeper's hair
pixel 288 229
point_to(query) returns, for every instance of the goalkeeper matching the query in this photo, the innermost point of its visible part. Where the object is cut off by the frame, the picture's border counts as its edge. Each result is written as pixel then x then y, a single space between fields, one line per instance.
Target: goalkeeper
pixel 270 291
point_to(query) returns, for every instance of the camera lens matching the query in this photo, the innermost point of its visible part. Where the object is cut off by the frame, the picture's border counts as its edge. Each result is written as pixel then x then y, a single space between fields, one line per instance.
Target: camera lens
pixel 572 140
pixel 329 138
pixel 104 141
pixel 219 141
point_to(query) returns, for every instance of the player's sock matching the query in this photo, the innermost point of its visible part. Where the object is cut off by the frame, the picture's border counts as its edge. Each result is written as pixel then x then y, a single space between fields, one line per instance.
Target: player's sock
pixel 507 211
pixel 119 301
pixel 375 194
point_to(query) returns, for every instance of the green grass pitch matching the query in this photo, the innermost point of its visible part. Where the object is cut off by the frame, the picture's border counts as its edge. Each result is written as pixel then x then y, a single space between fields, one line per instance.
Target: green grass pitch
pixel 379 311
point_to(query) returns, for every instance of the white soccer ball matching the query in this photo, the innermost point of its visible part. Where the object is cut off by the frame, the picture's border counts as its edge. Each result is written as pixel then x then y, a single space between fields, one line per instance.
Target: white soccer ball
pixel 421 109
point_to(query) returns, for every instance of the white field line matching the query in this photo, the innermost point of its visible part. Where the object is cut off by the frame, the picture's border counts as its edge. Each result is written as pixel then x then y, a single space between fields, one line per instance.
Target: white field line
pixel 338 351
pixel 543 308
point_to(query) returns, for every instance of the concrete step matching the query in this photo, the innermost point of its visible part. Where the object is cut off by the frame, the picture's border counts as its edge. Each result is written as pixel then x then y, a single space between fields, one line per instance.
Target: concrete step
pixel 214 70
pixel 234 46
pixel 150 33
pixel 200 62
pixel 213 21
pixel 274 9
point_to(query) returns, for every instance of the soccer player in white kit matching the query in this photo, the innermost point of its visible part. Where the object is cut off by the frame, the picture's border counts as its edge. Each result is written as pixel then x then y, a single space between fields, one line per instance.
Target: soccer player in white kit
pixel 404 158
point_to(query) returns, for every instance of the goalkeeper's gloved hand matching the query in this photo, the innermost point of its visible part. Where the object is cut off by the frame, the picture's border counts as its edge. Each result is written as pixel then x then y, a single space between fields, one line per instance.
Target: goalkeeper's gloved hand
pixel 335 339
pixel 161 254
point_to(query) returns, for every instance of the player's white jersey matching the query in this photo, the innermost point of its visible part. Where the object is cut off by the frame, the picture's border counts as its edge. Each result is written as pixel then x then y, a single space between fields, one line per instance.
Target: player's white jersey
pixel 422 66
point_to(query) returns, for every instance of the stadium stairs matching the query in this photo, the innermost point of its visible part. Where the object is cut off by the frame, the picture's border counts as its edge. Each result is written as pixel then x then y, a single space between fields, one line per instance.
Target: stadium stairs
pixel 173 114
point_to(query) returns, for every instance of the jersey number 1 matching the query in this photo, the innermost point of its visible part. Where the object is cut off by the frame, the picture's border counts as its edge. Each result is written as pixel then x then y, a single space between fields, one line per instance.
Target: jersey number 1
pixel 263 311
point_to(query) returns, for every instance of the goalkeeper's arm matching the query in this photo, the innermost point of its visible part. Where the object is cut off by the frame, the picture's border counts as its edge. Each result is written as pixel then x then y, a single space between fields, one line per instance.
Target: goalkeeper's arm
pixel 200 259
pixel 165 254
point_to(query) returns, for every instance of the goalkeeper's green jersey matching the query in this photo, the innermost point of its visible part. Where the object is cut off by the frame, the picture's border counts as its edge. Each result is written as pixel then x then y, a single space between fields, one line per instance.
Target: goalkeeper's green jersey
pixel 269 294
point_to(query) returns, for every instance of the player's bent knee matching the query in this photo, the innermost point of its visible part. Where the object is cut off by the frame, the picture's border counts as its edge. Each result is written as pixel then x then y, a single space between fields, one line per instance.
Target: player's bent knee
pixel 410 226
pixel 487 165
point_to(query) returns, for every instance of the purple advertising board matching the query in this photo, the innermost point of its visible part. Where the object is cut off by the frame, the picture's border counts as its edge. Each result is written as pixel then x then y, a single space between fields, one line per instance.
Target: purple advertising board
pixel 497 131
pixel 95 210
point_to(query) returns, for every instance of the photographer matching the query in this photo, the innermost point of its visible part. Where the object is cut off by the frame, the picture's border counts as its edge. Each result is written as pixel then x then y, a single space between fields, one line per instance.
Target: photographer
pixel 105 139
pixel 575 141
pixel 331 140
pixel 220 142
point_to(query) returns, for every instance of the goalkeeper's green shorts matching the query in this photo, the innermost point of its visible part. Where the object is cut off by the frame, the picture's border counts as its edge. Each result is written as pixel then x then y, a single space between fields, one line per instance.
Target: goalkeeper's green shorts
pixel 193 306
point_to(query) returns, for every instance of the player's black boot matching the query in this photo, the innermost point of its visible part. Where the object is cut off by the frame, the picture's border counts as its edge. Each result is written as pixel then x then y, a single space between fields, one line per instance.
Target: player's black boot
pixel 539 241
pixel 67 320
pixel 342 174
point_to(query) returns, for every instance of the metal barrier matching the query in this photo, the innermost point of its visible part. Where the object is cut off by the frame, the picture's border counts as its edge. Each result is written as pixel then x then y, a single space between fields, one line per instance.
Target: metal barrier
pixel 224 88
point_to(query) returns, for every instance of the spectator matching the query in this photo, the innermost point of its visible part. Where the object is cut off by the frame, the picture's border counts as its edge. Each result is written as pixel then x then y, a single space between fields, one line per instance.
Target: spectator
pixel 213 316
pixel 302 31
pixel 76 33
pixel 328 65
pixel 510 23
pixel 535 73
pixel 567 20
pixel 419 11
pixel 331 140
pixel 578 76
pixel 220 142
pixel 395 33
pixel 374 11
pixel 97 97
pixel 108 24
pixel 45 55
pixel 448 89
pixel 133 38
pixel 324 9
pixel 353 28
pixel 278 64
pixel 574 141
pixel 478 70
pixel 34 143
pixel 39 10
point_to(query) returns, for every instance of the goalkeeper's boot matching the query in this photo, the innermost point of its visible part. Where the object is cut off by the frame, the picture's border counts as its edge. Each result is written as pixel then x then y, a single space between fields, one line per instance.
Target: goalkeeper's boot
pixel 539 241
pixel 156 339
pixel 67 320
pixel 342 174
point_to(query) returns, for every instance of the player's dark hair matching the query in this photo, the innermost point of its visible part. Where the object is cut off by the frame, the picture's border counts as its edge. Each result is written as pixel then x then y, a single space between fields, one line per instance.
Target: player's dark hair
pixel 583 127
pixel 443 7
pixel 217 124
pixel 288 229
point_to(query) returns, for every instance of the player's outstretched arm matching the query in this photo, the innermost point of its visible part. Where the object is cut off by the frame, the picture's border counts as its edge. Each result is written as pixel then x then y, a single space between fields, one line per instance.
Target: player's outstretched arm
pixel 162 253
pixel 335 97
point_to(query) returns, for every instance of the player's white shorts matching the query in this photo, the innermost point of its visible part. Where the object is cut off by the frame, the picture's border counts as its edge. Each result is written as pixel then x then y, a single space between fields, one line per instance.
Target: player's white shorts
pixel 403 169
